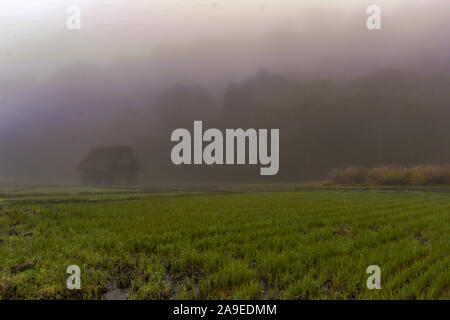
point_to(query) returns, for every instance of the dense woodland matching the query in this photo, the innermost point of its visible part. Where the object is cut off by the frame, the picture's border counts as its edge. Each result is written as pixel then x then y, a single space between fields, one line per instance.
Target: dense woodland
pixel 387 117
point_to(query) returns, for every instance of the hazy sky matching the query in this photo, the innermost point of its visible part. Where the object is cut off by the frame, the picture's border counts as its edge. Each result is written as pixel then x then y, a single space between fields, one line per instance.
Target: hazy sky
pixel 235 35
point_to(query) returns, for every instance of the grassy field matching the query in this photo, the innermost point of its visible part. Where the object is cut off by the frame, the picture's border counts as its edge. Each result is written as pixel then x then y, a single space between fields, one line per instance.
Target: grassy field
pixel 257 242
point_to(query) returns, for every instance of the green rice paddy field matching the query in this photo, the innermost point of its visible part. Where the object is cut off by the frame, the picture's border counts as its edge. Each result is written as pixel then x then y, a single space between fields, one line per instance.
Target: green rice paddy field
pixel 261 242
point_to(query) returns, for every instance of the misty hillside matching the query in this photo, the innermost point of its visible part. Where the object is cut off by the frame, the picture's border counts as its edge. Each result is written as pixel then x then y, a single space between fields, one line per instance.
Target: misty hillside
pixel 385 117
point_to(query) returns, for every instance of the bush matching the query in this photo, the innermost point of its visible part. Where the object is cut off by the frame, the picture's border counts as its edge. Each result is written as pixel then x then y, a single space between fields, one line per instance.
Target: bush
pixel 393 176
pixel 349 175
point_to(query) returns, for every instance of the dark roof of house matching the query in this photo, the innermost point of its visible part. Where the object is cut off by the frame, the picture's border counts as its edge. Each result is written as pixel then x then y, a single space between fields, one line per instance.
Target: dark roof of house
pixel 109 159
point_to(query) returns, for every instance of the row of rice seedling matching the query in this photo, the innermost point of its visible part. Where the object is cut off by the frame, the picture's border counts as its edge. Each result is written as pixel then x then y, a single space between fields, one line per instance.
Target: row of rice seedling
pixel 310 244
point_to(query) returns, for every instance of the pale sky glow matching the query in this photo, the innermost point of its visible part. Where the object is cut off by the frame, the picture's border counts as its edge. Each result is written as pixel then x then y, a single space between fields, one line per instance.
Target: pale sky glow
pixel 34 38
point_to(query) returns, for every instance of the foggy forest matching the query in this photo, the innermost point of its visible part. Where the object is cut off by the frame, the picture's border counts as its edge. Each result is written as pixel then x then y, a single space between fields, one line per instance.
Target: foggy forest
pixel 339 93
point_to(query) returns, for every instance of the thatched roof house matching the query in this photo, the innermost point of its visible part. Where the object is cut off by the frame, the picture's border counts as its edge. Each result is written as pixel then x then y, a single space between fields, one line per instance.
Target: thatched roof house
pixel 113 165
